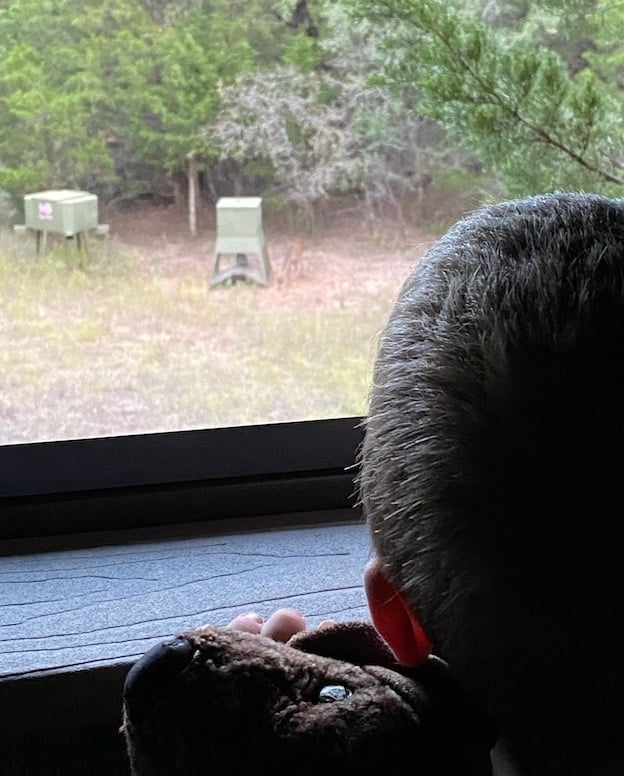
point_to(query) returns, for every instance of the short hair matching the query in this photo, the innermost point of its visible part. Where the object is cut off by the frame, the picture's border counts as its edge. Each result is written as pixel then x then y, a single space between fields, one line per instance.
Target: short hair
pixel 492 468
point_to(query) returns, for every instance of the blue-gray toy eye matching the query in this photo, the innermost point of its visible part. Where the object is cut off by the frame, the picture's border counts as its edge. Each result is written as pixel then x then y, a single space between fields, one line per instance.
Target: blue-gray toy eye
pixel 333 692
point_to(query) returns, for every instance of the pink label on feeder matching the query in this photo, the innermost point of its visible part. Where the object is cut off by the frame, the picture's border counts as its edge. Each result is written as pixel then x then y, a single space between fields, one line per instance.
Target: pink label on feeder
pixel 45 211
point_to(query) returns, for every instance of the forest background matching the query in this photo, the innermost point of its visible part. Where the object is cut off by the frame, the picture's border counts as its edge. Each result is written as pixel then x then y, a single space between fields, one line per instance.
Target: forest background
pixel 306 101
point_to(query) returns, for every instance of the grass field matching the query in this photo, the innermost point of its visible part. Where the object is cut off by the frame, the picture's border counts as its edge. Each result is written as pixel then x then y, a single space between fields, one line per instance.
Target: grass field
pixel 121 342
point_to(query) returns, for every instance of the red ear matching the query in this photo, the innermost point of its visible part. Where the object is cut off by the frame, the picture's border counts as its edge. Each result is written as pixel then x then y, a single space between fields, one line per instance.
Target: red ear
pixel 394 619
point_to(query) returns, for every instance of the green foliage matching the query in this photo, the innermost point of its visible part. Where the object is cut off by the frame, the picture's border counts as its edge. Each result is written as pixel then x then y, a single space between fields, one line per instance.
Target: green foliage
pixel 98 95
pixel 518 104
pixel 303 52
pixel 116 96
pixel 324 128
pixel 57 91
pixel 606 58
pixel 180 93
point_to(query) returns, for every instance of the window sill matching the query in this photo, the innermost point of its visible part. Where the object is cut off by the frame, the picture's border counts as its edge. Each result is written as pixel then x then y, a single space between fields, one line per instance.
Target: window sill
pixel 77 610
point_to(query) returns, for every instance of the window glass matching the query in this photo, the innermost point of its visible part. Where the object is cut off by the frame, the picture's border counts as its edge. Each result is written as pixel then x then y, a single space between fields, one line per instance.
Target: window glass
pixel 208 208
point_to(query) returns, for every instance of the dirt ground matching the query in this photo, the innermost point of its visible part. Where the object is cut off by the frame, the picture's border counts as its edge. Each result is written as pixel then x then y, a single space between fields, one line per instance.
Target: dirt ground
pixel 333 262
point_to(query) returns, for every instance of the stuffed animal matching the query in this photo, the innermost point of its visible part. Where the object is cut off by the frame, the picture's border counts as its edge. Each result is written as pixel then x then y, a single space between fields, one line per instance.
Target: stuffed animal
pixel 331 700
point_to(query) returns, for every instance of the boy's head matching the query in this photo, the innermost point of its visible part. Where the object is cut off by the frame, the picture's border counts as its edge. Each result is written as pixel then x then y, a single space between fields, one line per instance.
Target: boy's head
pixel 492 470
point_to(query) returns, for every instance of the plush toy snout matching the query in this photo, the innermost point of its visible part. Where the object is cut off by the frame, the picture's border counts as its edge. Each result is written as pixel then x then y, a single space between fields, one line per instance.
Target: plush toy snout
pixel 218 701
pixel 151 677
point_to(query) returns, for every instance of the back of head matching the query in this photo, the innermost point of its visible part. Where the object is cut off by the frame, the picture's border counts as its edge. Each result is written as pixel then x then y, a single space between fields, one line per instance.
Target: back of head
pixel 492 470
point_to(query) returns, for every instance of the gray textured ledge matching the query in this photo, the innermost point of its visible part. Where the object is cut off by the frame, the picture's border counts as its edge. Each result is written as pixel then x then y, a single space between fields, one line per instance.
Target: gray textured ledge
pixel 76 603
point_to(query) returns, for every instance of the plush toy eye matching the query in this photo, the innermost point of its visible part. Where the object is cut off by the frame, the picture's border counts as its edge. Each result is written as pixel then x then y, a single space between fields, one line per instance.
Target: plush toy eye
pixel 333 692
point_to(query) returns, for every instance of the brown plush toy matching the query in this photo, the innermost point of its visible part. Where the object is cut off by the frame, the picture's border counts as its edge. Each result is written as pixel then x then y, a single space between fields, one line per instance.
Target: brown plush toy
pixel 331 700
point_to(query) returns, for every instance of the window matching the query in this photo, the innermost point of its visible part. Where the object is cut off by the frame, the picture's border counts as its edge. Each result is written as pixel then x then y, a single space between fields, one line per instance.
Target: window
pixel 126 124
pixel 160 110
pixel 128 374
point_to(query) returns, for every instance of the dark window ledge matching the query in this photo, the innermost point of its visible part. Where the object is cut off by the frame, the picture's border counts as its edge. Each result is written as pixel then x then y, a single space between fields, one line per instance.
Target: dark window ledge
pixel 83 485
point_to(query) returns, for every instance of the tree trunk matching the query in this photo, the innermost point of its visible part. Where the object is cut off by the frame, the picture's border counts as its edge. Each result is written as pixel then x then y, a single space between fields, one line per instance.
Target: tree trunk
pixel 192 194
pixel 178 196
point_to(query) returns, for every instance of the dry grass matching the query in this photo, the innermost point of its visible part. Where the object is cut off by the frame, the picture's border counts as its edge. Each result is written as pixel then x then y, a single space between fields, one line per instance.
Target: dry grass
pixel 133 339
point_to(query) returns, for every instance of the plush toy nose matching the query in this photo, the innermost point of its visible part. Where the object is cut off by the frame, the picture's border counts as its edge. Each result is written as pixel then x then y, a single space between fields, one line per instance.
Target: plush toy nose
pixel 153 675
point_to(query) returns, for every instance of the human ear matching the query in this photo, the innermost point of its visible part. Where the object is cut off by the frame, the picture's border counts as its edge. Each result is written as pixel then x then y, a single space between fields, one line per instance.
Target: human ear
pixel 394 619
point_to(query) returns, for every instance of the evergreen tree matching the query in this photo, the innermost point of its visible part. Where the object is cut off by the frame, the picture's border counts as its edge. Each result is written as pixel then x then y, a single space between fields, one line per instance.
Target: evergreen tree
pixel 535 97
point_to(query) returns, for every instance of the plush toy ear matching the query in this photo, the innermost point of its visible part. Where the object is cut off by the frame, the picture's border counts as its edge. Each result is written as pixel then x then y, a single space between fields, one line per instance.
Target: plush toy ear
pixel 394 619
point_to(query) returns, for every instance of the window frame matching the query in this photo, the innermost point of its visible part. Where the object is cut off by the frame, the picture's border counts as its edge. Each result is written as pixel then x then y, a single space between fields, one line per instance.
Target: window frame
pixel 118 482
